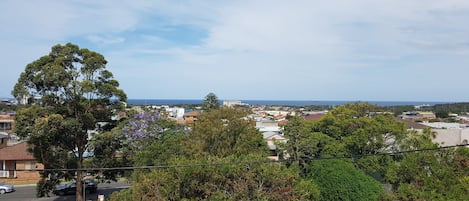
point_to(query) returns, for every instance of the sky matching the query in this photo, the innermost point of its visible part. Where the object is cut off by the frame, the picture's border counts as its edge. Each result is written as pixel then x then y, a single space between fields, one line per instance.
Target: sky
pixel 367 50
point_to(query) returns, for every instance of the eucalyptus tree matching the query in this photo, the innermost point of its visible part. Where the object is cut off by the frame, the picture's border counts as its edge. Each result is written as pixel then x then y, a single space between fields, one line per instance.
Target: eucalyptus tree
pixel 303 145
pixel 69 90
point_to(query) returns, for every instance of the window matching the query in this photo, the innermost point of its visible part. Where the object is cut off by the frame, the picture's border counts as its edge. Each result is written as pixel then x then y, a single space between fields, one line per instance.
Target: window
pixel 5 125
pixel 29 165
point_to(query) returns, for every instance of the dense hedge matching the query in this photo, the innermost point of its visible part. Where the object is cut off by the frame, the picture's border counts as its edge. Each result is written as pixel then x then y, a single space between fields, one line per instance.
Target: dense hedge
pixel 340 180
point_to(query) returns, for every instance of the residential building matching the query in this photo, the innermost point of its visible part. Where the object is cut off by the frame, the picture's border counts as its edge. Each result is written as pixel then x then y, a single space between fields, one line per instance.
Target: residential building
pixel 265 125
pixel 175 112
pixel 272 138
pixel 447 134
pixel 18 165
pixel 6 123
pixel 190 117
pixel 232 103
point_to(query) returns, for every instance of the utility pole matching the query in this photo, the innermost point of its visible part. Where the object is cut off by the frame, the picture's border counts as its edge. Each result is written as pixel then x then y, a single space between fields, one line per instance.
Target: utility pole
pixel 84 190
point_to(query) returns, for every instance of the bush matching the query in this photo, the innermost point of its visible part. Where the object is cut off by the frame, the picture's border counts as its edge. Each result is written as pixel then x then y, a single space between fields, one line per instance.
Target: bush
pixel 340 180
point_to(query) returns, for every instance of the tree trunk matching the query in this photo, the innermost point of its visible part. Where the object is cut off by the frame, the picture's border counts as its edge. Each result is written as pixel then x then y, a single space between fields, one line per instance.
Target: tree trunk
pixel 79 192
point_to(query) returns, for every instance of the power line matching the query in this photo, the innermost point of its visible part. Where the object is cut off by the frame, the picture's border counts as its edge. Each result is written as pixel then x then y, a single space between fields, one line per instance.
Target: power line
pixel 246 162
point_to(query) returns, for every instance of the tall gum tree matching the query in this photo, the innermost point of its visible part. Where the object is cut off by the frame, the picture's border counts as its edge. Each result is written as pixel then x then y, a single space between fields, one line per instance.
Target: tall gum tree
pixel 68 91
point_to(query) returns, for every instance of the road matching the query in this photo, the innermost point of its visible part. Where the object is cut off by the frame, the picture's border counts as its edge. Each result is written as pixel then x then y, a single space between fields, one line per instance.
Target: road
pixel 28 193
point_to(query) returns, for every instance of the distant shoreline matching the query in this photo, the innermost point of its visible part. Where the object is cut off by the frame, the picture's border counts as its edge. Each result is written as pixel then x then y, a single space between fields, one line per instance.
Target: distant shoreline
pixel 279 102
pixel 297 103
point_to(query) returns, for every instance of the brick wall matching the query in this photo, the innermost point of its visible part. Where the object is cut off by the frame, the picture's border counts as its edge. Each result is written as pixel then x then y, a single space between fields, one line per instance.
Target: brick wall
pixel 30 172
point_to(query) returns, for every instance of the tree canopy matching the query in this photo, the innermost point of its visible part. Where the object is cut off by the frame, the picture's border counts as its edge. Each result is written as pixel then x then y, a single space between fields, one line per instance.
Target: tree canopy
pixel 69 91
pixel 340 180
pixel 223 132
pixel 210 102
pixel 439 174
pixel 203 171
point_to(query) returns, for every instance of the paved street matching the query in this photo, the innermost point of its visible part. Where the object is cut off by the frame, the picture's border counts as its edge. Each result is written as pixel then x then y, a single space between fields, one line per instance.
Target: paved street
pixel 28 193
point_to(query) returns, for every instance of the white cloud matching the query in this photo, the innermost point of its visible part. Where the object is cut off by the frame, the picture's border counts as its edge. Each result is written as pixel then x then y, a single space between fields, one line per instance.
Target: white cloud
pixel 256 48
pixel 106 40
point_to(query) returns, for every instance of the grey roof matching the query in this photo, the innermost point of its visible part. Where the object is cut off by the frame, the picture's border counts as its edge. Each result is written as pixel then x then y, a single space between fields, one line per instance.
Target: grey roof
pixel 3 135
pixel 269 134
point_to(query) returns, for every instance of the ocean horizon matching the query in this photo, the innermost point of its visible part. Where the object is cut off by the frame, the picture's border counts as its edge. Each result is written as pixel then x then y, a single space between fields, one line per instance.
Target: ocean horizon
pixel 279 102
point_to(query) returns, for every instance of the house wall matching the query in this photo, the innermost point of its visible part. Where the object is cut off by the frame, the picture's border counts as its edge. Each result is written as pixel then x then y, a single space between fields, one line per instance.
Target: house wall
pixel 7 123
pixel 451 137
pixel 8 165
pixel 18 174
pixel 3 142
pixel 28 175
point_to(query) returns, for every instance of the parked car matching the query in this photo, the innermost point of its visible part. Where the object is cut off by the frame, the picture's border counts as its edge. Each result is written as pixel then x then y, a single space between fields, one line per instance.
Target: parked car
pixel 6 188
pixel 71 188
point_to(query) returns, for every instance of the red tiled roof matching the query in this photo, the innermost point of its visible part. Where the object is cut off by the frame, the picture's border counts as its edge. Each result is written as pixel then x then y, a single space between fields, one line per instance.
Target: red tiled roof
pixel 282 122
pixel 412 124
pixel 16 152
pixel 191 114
pixel 313 117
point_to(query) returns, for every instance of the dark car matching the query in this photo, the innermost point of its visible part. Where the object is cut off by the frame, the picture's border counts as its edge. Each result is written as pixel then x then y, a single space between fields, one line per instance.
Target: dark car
pixel 71 188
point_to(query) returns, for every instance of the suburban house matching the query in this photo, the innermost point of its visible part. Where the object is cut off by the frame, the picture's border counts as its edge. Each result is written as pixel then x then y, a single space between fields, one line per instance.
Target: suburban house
pixel 17 164
pixel 6 123
pixel 447 134
pixel 272 135
pixel 265 125
pixel 272 138
pixel 190 117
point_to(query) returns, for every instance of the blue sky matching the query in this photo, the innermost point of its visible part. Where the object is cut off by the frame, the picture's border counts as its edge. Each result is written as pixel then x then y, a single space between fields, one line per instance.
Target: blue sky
pixel 388 50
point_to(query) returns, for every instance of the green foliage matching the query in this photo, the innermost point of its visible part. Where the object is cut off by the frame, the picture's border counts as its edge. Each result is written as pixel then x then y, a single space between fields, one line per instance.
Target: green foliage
pixel 399 109
pixel 226 135
pixel 299 145
pixel 441 114
pixel 75 91
pixel 149 139
pixel 302 144
pixel 104 147
pixel 44 187
pixel 429 175
pixel 160 151
pixel 223 132
pixel 440 110
pixel 9 107
pixel 307 190
pixel 220 182
pixel 122 195
pixel 361 128
pixel 218 138
pixel 340 180
pixel 458 108
pixel 210 102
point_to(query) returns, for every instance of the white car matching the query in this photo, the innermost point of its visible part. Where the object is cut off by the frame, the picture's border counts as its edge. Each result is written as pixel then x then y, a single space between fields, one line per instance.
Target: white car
pixel 6 188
